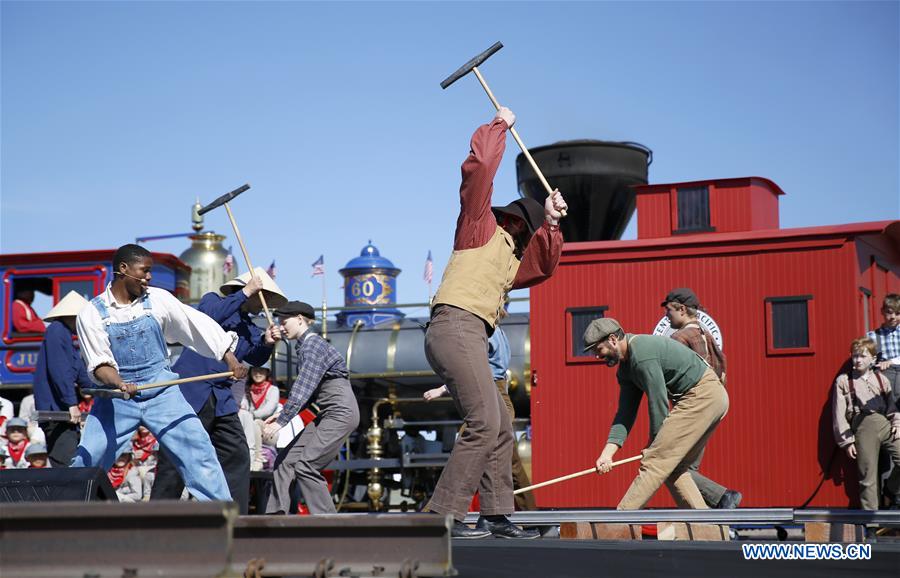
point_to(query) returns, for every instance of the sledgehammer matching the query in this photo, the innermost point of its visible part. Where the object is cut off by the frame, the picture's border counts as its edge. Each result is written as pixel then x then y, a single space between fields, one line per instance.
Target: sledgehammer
pixel 473 65
pixel 119 394
pixel 224 200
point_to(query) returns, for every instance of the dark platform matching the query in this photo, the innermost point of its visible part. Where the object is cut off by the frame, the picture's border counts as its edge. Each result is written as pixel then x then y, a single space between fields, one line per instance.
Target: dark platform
pixel 495 558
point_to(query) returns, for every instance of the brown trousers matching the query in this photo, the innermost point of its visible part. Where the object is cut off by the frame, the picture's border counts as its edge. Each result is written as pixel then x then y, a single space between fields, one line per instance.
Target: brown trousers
pixel 456 348
pixel 525 500
pixel 873 432
pixel 679 443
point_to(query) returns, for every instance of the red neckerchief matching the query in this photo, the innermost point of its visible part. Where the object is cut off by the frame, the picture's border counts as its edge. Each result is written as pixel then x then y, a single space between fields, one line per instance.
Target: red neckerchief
pixel 117 474
pixel 16 450
pixel 84 406
pixel 258 392
pixel 143 446
pixel 2 419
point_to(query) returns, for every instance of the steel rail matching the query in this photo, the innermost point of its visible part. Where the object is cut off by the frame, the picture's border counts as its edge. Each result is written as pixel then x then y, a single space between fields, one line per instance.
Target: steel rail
pixel 64 539
pixel 404 545
pixel 736 516
pixel 834 515
pixel 740 515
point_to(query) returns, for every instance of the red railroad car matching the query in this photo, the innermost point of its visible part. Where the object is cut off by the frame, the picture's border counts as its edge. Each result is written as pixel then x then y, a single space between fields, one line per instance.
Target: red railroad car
pixel 787 303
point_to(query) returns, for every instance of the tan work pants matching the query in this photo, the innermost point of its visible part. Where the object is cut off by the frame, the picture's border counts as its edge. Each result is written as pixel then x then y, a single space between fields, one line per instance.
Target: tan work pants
pixel 680 440
pixel 873 432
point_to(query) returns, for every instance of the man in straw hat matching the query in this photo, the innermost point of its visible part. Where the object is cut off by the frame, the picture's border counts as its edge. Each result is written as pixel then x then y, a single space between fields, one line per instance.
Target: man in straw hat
pixel 665 370
pixel 123 337
pixel 495 249
pixel 213 400
pixel 58 371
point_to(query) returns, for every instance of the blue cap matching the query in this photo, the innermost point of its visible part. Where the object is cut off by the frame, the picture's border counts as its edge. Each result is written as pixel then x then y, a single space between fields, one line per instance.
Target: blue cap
pixel 16 422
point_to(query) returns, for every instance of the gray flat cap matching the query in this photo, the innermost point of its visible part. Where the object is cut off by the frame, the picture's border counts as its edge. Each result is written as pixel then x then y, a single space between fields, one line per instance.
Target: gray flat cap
pixel 598 330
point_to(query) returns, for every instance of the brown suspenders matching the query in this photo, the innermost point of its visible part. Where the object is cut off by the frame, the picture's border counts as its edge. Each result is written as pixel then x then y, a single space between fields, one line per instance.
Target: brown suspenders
pixel 855 400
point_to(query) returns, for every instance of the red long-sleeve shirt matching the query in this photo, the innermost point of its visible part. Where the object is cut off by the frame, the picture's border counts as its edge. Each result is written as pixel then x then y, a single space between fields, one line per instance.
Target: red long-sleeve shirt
pixel 25 320
pixel 476 223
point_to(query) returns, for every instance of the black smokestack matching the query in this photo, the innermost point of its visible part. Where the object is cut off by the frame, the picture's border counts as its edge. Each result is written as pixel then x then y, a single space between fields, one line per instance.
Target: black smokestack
pixel 597 180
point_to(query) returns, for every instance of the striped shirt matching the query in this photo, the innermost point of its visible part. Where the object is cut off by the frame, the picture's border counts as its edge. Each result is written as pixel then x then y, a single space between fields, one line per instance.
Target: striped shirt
pixel 318 362
pixel 887 340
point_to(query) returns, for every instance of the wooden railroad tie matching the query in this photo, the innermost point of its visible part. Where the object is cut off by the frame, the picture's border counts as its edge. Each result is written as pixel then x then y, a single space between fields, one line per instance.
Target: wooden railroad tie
pixel 670 531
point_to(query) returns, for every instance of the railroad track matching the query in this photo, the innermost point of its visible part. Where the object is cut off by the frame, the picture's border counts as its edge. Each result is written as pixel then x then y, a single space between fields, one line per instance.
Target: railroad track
pixel 192 539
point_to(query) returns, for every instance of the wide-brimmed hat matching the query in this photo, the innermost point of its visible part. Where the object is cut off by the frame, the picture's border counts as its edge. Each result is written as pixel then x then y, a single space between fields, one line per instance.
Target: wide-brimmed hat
pixel 69 306
pixel 275 297
pixel 529 211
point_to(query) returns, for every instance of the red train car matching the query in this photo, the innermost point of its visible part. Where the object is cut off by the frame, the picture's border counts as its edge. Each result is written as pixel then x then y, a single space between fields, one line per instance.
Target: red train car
pixel 787 303
pixel 54 275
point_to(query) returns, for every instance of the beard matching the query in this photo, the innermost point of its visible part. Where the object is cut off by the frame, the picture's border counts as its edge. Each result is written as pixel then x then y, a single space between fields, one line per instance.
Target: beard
pixel 613 359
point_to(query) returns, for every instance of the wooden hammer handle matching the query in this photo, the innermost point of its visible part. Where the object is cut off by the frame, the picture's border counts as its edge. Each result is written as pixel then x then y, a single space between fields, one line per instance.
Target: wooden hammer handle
pixel 237 233
pixel 184 380
pixel 575 475
pixel 515 135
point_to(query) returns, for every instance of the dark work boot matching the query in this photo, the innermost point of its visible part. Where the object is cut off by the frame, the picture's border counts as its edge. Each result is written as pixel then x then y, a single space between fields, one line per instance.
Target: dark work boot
pixel 501 527
pixel 729 500
pixel 463 532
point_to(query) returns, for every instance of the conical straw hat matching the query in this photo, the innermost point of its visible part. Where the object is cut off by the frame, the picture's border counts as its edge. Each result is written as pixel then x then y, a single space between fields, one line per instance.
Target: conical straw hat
pixel 69 306
pixel 275 298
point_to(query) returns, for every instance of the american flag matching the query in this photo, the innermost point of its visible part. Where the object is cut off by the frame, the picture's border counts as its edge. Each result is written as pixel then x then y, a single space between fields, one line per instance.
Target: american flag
pixel 319 267
pixel 228 265
pixel 429 269
pixel 271 270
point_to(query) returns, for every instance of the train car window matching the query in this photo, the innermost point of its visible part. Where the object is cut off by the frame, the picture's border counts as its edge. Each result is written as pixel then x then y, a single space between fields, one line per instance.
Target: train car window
pixel 39 290
pixel 693 210
pixel 789 324
pixel 45 287
pixel 577 320
pixel 84 287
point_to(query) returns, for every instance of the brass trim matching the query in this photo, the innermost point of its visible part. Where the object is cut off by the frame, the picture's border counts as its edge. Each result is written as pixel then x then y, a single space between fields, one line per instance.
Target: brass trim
pixel 356 328
pixel 392 347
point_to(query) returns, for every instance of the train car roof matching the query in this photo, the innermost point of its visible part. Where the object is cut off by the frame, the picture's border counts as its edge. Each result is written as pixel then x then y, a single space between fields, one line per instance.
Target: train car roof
pixel 703 243
pixel 104 255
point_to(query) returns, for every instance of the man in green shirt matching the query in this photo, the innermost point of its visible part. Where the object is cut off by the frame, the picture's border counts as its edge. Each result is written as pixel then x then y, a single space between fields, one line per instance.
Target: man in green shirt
pixel 664 370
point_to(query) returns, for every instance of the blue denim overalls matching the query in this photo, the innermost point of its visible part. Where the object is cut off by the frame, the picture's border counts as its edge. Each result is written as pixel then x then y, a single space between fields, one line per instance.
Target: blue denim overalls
pixel 140 352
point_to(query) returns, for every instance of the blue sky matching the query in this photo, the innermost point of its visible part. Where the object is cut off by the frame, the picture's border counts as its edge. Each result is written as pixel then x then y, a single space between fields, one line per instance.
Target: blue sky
pixel 116 115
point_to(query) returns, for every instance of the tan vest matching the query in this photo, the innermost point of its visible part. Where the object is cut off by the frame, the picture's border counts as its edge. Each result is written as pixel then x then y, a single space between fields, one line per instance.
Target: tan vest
pixel 478 280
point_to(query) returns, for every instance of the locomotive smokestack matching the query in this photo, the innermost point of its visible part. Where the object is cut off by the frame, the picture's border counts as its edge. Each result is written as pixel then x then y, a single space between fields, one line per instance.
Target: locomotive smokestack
pixel 596 179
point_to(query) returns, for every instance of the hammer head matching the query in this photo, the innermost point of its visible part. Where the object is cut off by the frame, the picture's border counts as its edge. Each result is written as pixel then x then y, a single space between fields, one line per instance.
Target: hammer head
pixel 223 199
pixel 468 66
pixel 107 393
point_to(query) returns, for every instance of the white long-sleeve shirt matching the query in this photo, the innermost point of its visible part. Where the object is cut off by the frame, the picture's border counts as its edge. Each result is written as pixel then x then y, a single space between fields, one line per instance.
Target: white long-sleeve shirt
pixel 268 406
pixel 180 323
